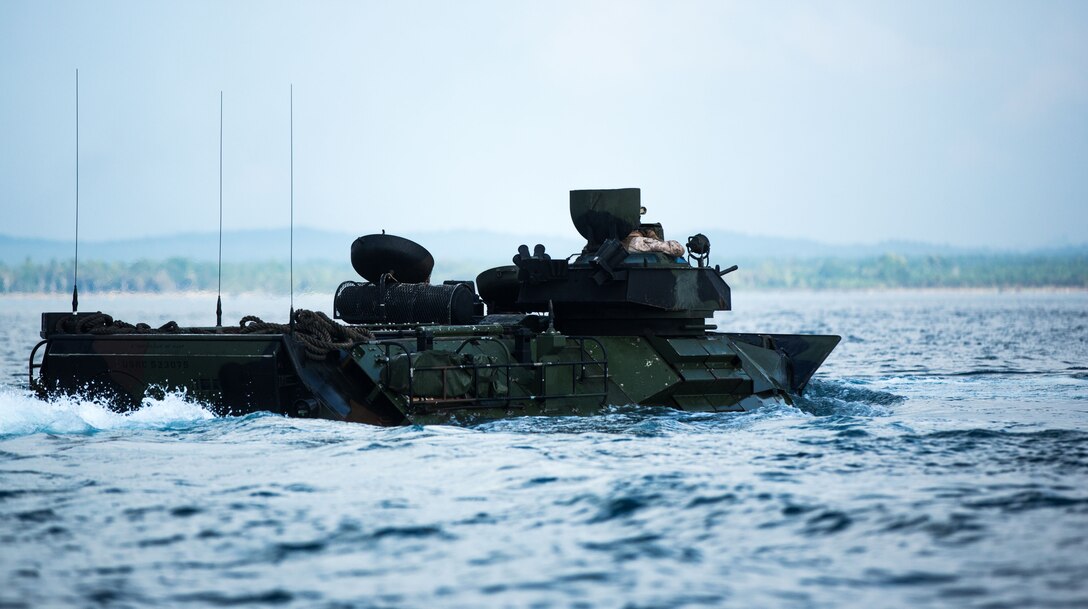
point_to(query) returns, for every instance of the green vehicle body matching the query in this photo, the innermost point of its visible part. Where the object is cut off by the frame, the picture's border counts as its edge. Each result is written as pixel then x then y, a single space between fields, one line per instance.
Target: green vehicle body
pixel 570 336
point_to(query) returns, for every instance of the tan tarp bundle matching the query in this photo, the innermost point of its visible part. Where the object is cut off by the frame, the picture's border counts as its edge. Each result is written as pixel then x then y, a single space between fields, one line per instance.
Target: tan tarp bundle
pixel 637 242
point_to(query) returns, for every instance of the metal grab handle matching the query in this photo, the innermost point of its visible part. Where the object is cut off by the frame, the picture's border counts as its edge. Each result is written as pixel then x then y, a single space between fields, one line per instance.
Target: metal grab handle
pixel 31 366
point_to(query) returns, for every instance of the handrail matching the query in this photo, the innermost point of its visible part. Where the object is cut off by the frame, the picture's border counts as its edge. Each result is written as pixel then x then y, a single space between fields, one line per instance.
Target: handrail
pixel 31 366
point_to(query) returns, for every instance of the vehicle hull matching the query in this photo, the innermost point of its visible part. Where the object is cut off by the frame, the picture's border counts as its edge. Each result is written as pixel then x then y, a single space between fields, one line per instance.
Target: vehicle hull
pixel 434 374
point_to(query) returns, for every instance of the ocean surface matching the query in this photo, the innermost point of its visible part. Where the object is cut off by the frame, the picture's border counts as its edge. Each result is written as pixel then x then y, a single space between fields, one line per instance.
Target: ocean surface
pixel 939 459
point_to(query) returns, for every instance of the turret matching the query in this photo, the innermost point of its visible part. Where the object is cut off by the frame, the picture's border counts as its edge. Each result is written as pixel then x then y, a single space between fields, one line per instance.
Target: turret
pixel 606 289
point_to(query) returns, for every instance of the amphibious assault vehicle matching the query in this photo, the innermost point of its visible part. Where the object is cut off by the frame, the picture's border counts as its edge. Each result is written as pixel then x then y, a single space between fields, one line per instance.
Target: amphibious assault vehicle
pixel 622 322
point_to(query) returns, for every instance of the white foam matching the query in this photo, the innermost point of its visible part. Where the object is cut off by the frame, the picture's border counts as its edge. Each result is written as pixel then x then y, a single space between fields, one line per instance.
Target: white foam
pixel 22 413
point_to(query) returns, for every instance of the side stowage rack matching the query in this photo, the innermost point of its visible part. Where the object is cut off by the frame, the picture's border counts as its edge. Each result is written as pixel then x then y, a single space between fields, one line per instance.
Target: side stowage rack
pixel 442 380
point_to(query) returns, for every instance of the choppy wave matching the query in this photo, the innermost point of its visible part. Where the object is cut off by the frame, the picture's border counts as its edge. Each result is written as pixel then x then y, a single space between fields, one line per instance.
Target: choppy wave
pixel 920 469
pixel 845 397
pixel 837 501
pixel 23 413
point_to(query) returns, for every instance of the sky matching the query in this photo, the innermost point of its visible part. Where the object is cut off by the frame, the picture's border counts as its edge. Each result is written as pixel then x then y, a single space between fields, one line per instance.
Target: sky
pixel 961 123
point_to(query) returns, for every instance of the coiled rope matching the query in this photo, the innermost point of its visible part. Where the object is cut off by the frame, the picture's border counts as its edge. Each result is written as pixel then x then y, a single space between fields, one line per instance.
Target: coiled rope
pixel 317 333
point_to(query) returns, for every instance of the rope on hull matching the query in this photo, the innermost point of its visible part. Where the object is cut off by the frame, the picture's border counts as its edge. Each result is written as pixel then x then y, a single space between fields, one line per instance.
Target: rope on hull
pixel 317 333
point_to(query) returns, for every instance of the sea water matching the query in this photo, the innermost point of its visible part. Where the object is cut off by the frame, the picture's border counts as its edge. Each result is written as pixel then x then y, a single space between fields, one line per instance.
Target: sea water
pixel 938 459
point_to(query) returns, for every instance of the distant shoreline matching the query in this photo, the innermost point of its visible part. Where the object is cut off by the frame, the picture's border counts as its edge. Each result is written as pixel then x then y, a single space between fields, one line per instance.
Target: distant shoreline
pixel 886 272
pixel 198 294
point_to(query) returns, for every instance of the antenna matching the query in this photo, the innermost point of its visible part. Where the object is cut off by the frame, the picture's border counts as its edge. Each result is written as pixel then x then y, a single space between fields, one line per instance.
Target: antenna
pixel 219 292
pixel 292 263
pixel 75 265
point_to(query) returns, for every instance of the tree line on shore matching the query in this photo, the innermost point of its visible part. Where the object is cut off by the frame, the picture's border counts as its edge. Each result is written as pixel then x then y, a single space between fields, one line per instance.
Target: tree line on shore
pixel 887 271
pixel 896 271
pixel 171 275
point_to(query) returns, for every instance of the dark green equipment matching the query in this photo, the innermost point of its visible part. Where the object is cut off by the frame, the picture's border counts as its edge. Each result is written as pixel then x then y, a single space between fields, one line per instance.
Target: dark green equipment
pixel 622 322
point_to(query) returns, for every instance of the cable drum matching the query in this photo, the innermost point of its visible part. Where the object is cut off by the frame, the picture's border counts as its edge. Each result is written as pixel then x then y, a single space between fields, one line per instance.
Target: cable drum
pixel 361 303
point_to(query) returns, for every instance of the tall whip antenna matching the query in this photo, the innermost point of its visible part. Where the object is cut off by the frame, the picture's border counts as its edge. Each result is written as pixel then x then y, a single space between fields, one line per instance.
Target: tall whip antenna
pixel 75 265
pixel 219 293
pixel 292 263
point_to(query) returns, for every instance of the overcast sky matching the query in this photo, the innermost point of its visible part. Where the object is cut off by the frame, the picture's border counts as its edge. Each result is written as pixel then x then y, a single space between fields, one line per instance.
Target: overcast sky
pixel 847 122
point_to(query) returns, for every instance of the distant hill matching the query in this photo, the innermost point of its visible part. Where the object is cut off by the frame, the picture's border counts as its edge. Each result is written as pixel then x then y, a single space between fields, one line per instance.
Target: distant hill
pixel 481 248
pixel 885 271
pixel 272 245
pixel 257 260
